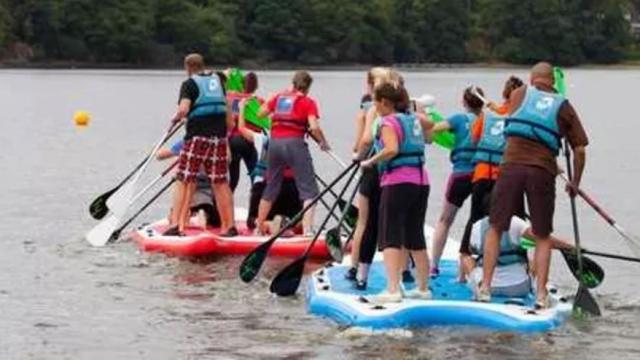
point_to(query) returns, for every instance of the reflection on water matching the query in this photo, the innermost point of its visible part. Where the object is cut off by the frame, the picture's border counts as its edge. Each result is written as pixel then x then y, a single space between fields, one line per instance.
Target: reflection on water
pixel 60 298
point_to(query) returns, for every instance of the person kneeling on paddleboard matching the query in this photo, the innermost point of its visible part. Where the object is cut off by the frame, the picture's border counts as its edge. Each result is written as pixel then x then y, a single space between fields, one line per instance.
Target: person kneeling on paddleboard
pixel 203 104
pixel 404 186
pixel 293 114
pixel 288 203
pixel 203 205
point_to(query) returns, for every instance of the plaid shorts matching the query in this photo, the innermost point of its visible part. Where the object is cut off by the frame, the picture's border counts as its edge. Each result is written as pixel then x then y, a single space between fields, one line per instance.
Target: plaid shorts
pixel 210 153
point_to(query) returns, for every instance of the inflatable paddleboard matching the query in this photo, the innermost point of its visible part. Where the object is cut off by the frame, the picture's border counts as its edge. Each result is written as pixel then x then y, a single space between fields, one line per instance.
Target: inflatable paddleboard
pixel 199 242
pixel 330 295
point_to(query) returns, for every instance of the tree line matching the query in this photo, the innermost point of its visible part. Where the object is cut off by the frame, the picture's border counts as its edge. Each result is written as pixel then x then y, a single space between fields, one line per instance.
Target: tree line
pixel 316 32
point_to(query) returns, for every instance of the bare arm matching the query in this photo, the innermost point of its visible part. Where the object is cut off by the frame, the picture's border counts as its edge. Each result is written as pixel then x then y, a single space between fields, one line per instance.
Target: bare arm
pixel 361 119
pixel 317 134
pixel 557 242
pixel 579 160
pixel 427 126
pixel 164 154
pixel 390 150
pixel 183 110
pixel 366 140
pixel 441 126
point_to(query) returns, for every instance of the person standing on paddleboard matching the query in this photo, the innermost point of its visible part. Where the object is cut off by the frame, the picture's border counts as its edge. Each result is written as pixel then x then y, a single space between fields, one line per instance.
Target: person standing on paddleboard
pixel 538 120
pixel 459 185
pixel 404 194
pixel 293 114
pixel 203 104
pixel 365 236
pixel 241 148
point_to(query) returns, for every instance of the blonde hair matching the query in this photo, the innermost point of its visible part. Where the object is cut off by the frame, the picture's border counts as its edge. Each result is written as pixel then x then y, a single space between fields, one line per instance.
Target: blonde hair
pixel 377 76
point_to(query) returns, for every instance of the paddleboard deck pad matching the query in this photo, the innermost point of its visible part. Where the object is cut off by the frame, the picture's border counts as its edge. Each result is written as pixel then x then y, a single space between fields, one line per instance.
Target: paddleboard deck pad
pixel 200 242
pixel 330 295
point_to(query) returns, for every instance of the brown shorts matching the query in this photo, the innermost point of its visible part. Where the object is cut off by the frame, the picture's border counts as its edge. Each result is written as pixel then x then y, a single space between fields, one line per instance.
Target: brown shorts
pixel 539 186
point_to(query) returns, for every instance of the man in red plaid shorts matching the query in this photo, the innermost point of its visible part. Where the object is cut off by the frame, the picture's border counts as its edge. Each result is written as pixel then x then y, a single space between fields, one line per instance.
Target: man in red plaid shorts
pixel 203 103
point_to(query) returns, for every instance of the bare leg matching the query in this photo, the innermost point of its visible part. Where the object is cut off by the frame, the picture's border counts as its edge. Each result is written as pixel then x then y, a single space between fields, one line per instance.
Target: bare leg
pixel 490 257
pixel 224 203
pixel 307 219
pixel 361 225
pixel 422 268
pixel 467 264
pixel 542 260
pixel 263 211
pixel 393 264
pixel 441 232
pixel 185 205
pixel 178 195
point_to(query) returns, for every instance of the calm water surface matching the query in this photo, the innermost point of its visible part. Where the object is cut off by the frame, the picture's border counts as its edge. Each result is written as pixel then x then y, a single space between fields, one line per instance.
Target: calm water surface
pixel 62 299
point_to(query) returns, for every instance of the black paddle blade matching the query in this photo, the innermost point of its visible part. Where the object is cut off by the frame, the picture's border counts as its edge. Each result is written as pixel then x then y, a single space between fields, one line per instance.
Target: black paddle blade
pixel 98 208
pixel 585 304
pixel 286 283
pixel 252 263
pixel 351 217
pixel 334 244
pixel 592 273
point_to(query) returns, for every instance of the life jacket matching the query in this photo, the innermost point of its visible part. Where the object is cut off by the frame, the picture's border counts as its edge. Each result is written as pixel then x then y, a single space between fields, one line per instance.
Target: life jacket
pixel 410 150
pixel 464 149
pixel 537 118
pixel 366 105
pixel 284 116
pixel 234 98
pixel 509 252
pixel 492 142
pixel 211 99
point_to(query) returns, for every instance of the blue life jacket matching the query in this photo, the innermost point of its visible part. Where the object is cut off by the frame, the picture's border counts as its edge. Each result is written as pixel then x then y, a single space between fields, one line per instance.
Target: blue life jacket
pixel 211 99
pixel 411 150
pixel 464 149
pixel 366 105
pixel 259 171
pixel 509 252
pixel 537 118
pixel 491 145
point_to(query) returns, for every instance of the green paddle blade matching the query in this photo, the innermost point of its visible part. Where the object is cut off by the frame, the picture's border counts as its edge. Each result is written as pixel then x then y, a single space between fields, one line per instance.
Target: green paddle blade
pixel 559 84
pixel 334 244
pixel 445 139
pixel 235 81
pixel 253 262
pixel 585 304
pixel 288 280
pixel 251 110
pixel 592 273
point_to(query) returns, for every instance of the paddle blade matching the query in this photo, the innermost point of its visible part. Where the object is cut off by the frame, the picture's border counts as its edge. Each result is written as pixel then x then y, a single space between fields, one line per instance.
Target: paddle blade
pixel 584 303
pixel 98 208
pixel 334 244
pixel 286 283
pixel 101 233
pixel 252 263
pixel 119 202
pixel 351 216
pixel 592 273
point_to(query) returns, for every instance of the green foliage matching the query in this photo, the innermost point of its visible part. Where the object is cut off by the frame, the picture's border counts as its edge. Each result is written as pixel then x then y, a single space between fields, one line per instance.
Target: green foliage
pixel 160 32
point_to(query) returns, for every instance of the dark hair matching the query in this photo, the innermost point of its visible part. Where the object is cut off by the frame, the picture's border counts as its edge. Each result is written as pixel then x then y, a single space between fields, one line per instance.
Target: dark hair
pixel 387 91
pixel 222 76
pixel 250 82
pixel 473 102
pixel 302 81
pixel 512 83
pixel 404 102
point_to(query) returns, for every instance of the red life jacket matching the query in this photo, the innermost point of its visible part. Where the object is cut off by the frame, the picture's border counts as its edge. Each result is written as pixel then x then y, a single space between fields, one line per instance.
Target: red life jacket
pixel 233 99
pixel 284 115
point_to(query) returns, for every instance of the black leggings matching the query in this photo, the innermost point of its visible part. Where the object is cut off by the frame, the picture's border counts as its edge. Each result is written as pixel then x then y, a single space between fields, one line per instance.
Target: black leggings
pixel 479 210
pixel 370 188
pixel 241 149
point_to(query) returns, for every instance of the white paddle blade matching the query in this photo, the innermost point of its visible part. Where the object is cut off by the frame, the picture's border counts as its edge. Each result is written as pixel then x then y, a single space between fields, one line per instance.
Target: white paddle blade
pixel 119 202
pixel 425 101
pixel 100 234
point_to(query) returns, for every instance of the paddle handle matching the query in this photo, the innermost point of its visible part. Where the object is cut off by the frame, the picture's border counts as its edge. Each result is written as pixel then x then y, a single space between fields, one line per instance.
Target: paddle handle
pixel 574 212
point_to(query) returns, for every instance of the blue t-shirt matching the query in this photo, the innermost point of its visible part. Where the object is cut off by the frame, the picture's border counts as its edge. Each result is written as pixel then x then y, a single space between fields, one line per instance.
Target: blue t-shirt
pixel 461 127
pixel 175 148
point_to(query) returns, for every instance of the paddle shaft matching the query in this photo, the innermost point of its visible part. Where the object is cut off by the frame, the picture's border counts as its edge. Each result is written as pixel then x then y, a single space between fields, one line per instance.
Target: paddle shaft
pixel 116 233
pixel 574 212
pixel 611 256
pixel 172 129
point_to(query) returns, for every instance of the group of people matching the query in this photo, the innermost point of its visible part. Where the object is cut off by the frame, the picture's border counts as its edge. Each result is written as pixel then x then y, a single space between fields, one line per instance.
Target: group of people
pixel 503 153
pixel 219 136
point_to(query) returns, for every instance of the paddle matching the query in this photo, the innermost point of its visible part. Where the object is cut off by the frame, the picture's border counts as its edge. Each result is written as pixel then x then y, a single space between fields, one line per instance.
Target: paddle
pixel 334 243
pixel 287 281
pixel 98 208
pixel 119 202
pixel 253 262
pixel 632 242
pixel 101 233
pixel 116 234
pixel 611 256
pixel 352 211
pixel 584 301
pixel 592 273
pixel 446 139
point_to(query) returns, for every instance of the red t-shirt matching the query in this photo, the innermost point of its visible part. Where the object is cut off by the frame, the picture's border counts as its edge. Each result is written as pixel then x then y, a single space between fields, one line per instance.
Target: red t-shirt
pixel 303 108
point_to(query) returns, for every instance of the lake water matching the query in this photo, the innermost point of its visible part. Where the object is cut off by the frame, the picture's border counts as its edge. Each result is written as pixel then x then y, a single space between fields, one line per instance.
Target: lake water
pixel 62 299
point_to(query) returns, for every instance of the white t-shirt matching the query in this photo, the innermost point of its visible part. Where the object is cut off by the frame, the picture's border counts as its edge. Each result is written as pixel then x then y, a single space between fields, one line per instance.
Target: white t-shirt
pixel 507 275
pixel 259 139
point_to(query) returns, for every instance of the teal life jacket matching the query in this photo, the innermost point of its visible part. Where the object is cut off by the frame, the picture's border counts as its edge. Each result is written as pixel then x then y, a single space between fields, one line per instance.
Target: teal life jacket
pixel 537 118
pixel 259 171
pixel 410 150
pixel 464 149
pixel 492 142
pixel 509 253
pixel 211 99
